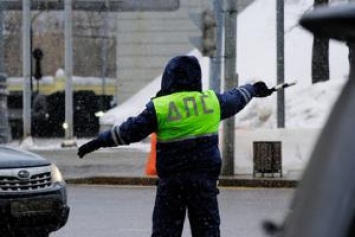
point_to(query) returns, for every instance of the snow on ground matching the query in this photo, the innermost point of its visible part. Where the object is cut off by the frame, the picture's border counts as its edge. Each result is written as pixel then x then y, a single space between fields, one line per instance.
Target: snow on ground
pixel 31 143
pixel 306 105
pixel 60 74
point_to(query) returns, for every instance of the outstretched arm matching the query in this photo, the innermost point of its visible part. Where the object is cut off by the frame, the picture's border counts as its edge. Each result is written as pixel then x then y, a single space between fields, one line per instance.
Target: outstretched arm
pixel 134 129
pixel 236 99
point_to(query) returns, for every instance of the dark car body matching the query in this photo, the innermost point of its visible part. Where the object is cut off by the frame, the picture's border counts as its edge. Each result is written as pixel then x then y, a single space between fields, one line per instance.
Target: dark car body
pixel 324 202
pixel 33 196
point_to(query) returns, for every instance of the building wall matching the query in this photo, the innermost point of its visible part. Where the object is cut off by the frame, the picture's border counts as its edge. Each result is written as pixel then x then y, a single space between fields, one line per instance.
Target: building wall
pixel 147 40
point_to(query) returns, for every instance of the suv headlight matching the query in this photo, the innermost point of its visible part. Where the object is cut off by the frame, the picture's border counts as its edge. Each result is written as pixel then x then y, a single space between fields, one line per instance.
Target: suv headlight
pixel 57 177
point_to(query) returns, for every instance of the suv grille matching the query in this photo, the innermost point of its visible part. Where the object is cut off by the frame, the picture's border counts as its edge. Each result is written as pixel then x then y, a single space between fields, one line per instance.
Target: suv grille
pixel 39 178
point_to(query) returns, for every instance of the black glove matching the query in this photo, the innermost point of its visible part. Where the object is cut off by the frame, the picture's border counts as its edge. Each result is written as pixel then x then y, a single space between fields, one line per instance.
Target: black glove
pixel 261 90
pixel 89 147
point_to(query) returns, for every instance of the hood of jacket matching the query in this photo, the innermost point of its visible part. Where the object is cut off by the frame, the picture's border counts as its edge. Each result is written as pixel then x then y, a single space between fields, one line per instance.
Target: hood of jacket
pixel 182 73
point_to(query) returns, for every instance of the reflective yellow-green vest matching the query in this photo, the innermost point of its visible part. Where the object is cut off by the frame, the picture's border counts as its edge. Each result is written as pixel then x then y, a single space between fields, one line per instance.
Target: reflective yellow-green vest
pixel 185 115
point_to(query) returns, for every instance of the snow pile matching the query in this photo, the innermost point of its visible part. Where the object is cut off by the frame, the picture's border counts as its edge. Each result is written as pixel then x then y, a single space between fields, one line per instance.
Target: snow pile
pixel 305 107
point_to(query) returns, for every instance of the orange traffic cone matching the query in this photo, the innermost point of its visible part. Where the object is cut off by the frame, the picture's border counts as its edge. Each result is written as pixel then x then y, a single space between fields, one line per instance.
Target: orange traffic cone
pixel 151 159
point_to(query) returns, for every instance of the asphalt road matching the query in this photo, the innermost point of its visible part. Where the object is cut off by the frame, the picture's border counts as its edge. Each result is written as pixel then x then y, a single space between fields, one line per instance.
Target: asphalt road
pixel 106 211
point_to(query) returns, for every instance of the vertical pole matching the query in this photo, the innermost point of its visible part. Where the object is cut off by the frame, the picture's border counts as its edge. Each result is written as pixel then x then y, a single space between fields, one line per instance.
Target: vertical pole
pixel 351 55
pixel 104 52
pixel 68 70
pixel 117 62
pixel 4 124
pixel 2 38
pixel 26 59
pixel 280 54
pixel 230 82
pixel 216 61
pixel 5 135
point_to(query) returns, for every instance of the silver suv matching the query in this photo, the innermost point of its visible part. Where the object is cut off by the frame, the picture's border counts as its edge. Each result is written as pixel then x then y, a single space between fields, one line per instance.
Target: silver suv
pixel 33 196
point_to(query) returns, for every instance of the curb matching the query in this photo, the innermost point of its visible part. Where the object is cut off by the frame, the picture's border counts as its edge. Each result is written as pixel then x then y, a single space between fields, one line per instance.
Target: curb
pixel 151 181
pixel 257 183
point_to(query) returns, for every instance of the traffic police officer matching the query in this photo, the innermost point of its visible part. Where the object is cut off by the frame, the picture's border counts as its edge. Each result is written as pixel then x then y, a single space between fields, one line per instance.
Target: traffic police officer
pixel 186 121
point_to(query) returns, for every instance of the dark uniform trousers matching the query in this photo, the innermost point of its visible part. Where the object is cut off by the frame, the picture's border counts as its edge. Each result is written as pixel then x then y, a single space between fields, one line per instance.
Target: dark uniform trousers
pixel 192 193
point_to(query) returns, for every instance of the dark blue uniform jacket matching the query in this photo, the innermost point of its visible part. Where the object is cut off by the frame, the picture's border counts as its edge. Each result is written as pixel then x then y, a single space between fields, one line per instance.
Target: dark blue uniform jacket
pixel 198 156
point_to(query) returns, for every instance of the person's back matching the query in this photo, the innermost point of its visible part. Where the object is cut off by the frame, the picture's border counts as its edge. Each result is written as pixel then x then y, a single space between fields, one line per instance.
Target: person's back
pixel 187 122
